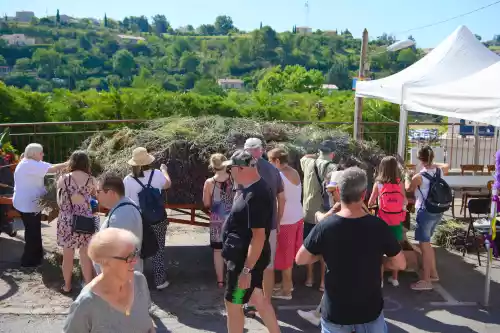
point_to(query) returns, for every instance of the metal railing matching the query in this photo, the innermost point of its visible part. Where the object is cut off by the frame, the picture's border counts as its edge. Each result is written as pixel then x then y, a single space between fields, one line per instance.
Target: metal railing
pixel 61 138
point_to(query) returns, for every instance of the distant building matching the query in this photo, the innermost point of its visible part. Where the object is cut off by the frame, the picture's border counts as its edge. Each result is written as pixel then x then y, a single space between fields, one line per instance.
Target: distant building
pixel 24 16
pixel 18 39
pixel 5 70
pixel 330 32
pixel 131 39
pixel 231 83
pixel 304 30
pixel 330 87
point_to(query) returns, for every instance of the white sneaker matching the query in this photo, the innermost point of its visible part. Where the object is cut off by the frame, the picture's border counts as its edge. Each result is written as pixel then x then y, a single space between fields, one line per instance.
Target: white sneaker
pixel 395 283
pixel 311 316
pixel 163 285
pixel 279 286
pixel 279 294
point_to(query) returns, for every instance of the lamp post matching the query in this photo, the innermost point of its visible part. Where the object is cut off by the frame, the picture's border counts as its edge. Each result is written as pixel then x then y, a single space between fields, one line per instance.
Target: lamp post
pixel 358 106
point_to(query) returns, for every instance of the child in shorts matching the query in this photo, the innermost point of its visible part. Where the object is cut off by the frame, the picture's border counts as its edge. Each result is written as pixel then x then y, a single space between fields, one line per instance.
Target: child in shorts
pixel 389 193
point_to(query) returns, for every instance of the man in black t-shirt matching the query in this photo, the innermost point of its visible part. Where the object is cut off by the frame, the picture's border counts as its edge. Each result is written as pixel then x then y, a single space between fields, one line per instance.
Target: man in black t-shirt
pixel 353 244
pixel 245 243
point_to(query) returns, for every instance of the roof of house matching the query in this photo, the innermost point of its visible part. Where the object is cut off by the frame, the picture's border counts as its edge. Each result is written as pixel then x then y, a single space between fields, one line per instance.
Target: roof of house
pixel 330 86
pixel 230 81
pixel 131 37
pixel 13 36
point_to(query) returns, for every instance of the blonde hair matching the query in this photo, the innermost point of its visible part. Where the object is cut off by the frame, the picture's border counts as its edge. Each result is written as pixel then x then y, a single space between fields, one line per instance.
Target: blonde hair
pixel 216 161
pixel 279 154
pixel 109 242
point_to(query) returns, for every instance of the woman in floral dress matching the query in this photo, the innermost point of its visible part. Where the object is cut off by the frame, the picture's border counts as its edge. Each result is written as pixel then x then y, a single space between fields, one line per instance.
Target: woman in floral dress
pixel 74 192
pixel 218 198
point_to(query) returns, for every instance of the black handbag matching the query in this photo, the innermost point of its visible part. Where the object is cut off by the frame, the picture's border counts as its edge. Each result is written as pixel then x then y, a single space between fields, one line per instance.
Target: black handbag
pixel 80 224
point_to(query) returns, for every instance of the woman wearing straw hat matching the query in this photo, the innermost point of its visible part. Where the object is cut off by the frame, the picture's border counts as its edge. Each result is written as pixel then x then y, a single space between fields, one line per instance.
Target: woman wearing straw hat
pixel 144 173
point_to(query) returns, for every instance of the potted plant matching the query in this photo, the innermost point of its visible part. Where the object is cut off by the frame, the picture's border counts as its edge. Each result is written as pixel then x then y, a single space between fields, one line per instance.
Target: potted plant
pixel 7 152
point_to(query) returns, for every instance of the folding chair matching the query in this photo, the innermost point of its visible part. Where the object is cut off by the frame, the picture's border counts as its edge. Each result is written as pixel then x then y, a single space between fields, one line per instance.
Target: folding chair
pixel 478 207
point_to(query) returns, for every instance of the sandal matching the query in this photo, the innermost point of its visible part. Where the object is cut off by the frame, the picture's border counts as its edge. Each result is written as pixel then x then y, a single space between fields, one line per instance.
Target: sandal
pixel 322 289
pixel 250 311
pixel 221 284
pixel 422 286
pixel 435 279
pixel 64 291
pixel 308 284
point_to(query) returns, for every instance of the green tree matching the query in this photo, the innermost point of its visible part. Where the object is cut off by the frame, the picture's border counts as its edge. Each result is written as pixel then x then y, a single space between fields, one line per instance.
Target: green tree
pixel 338 74
pixel 58 17
pixel 22 64
pixel 3 62
pixel 124 63
pixel 407 57
pixel 208 87
pixel 105 20
pixel 46 61
pixel 223 24
pixel 189 62
pixel 206 30
pixel 160 24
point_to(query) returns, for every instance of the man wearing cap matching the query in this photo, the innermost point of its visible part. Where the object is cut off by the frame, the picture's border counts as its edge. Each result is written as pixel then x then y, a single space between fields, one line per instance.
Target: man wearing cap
pixel 245 243
pixel 316 169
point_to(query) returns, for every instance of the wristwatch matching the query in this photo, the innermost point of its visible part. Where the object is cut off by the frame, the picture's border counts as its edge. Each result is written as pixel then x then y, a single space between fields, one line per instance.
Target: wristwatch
pixel 246 270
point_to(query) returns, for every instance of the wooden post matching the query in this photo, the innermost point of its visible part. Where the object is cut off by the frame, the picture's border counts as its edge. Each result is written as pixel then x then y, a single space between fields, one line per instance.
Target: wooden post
pixel 358 107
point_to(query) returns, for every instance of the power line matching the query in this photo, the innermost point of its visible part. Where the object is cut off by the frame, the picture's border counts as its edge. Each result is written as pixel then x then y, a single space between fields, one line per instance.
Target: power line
pixel 449 19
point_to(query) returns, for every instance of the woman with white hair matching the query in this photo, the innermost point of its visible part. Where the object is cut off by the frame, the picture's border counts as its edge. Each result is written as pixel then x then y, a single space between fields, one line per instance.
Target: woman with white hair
pixel 118 299
pixel 28 188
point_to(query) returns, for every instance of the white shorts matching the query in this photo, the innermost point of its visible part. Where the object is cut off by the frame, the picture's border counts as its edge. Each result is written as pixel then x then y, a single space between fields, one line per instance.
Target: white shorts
pixel 273 242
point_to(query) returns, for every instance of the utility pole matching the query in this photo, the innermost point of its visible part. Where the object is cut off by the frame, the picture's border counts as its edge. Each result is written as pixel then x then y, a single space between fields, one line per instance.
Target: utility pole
pixel 358 106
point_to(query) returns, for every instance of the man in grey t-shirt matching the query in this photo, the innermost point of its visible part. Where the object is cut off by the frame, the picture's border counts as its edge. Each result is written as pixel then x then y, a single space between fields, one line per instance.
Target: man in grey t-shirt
pixel 272 177
pixel 111 194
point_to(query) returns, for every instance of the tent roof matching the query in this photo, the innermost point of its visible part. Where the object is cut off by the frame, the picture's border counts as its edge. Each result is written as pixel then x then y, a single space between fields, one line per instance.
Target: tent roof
pixel 459 55
pixel 475 98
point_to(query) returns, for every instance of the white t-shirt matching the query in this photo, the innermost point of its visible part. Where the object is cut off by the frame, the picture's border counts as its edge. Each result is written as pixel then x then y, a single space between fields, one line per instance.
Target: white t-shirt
pixel 422 192
pixel 29 185
pixel 293 206
pixel 132 187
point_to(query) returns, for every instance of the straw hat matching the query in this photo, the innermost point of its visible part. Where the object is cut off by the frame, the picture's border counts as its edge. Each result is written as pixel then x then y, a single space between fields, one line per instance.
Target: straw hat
pixel 140 157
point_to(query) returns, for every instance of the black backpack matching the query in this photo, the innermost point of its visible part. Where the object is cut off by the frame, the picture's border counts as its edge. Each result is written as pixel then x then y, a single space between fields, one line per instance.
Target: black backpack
pixel 149 244
pixel 151 203
pixel 440 198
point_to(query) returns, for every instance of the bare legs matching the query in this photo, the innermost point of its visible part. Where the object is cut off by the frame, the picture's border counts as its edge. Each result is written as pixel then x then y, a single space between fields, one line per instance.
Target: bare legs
pixel 268 284
pixel 236 318
pixel 428 262
pixel 219 266
pixel 286 282
pixel 67 267
pixel 310 275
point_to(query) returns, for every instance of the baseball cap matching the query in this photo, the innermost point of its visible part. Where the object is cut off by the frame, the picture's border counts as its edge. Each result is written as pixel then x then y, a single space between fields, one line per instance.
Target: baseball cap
pixel 251 143
pixel 240 158
pixel 335 179
pixel 327 146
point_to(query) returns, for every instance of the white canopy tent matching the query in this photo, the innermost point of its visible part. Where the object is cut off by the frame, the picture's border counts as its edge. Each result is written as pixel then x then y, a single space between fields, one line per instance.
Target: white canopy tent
pixel 475 97
pixel 458 56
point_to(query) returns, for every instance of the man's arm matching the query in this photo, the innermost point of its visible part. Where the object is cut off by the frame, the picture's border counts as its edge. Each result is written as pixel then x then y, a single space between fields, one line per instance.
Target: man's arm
pixel 310 252
pixel 57 167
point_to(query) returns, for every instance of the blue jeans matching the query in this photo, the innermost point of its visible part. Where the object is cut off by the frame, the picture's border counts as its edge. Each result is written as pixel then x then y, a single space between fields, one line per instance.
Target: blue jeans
pixel 376 326
pixel 426 224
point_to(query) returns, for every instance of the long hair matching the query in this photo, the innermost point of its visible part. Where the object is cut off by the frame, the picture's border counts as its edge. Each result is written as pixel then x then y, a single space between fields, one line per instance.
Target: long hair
pixel 388 171
pixel 138 171
pixel 79 161
pixel 426 155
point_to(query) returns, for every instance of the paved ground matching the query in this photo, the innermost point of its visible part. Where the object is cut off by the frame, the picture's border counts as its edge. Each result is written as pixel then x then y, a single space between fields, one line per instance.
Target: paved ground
pixel 29 301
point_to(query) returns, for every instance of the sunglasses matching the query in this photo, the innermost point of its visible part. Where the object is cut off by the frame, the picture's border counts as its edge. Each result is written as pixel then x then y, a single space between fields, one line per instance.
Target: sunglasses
pixel 131 257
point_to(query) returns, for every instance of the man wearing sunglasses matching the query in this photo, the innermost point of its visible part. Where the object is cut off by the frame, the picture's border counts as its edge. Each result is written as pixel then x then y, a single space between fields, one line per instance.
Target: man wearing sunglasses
pixel 245 243
pixel 123 212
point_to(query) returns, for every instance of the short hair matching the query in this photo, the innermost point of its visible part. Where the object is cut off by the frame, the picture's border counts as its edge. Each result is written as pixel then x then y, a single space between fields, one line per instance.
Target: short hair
pixel 112 182
pixel 352 184
pixel 32 149
pixel 279 154
pixel 108 243
pixel 80 161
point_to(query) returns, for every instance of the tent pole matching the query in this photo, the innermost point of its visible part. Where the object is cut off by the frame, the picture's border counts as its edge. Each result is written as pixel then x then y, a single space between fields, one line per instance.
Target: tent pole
pixel 489 253
pixel 403 124
pixel 358 106
pixel 476 145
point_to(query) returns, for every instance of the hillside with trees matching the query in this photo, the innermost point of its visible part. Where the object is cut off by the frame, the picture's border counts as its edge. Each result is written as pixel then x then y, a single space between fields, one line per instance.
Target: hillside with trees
pixel 139 52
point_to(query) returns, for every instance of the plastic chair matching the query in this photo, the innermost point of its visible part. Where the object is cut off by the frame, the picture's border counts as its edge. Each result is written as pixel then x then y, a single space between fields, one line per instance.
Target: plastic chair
pixel 478 207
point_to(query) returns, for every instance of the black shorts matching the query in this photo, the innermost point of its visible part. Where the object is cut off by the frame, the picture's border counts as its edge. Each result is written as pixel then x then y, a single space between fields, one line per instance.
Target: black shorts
pixel 241 296
pixel 216 245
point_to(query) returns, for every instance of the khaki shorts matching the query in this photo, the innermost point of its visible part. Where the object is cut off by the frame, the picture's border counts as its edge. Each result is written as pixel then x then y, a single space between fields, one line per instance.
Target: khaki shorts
pixel 273 241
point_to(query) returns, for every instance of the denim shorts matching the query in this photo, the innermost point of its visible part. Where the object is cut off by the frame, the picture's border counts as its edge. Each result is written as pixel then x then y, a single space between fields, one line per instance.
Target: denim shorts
pixel 426 224
pixel 376 326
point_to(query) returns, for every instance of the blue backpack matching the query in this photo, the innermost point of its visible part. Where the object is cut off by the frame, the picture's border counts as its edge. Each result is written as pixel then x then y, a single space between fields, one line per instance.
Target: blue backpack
pixel 151 203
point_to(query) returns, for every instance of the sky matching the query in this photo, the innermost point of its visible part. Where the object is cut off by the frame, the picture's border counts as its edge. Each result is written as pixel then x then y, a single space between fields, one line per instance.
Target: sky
pixel 378 16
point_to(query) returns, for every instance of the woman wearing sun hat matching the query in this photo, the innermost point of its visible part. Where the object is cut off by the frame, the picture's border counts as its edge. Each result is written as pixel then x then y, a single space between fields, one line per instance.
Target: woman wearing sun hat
pixel 144 173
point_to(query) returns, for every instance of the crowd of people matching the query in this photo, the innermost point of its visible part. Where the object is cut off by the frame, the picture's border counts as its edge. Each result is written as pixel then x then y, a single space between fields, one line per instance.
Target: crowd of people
pixel 263 218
